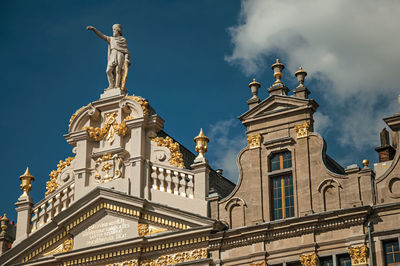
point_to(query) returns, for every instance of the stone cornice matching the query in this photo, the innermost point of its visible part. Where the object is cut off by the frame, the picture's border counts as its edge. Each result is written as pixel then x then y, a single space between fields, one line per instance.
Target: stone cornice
pixel 289 228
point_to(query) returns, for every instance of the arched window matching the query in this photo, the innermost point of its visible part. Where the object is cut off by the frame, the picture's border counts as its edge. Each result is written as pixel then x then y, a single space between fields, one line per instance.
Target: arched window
pixel 282 186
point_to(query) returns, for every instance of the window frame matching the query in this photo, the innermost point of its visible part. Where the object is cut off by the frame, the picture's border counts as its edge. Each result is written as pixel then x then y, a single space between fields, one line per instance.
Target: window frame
pixel 392 240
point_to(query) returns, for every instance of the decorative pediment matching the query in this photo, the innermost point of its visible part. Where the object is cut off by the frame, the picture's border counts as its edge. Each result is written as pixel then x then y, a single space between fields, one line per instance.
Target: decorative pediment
pixel 277 104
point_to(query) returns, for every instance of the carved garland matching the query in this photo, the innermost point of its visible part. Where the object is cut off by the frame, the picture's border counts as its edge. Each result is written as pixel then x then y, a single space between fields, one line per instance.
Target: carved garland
pixel 52 185
pixel 143 103
pixel 111 127
pixel 176 155
pixel 358 255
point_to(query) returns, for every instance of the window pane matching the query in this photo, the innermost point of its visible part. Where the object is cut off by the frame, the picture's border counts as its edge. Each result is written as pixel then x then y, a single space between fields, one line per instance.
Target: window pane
pixel 283 201
pixel 326 261
pixel 344 260
pixel 275 162
pixel 392 253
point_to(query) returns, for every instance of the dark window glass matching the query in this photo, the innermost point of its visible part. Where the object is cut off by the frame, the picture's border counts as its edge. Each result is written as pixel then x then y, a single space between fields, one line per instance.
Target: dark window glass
pixel 344 260
pixel 281 160
pixel 326 261
pixel 283 198
pixel 392 253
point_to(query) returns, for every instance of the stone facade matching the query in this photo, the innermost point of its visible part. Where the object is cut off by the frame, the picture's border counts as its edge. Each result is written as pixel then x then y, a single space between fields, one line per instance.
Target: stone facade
pixel 132 195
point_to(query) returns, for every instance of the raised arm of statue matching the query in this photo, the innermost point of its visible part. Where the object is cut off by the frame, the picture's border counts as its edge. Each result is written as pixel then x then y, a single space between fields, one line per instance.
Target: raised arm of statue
pixel 98 33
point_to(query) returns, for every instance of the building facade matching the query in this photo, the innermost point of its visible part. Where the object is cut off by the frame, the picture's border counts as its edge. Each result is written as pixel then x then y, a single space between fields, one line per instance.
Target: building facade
pixel 132 195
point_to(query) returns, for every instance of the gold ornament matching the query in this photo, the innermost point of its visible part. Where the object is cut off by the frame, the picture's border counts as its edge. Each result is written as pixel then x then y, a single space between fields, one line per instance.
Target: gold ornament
pixel 52 185
pixel 259 264
pixel 26 182
pixel 176 155
pixel 147 230
pixel 110 165
pixel 309 259
pixel 108 131
pixel 143 103
pixel 358 254
pixel 4 224
pixel 125 263
pixel 302 130
pixel 254 141
pixel 201 144
pixel 65 246
pixel 176 258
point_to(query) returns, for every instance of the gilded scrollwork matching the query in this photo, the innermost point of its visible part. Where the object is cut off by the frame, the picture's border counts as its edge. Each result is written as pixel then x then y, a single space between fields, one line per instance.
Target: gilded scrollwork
pixel 176 155
pixel 254 141
pixel 263 263
pixel 125 263
pixel 108 167
pixel 65 246
pixel 52 185
pixel 302 130
pixel 143 103
pixel 358 255
pixel 109 130
pixel 147 230
pixel 309 259
pixel 176 258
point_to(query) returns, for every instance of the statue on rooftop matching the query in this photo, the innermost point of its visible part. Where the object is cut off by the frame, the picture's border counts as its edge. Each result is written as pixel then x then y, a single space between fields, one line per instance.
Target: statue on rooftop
pixel 118 56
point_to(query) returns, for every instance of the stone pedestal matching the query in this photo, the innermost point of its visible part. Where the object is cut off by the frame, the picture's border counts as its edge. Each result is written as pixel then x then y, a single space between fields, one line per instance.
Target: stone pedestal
pixel 201 178
pixel 24 214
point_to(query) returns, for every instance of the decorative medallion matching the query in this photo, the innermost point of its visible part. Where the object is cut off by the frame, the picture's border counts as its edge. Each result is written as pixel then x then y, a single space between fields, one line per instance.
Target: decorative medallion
pixel 309 259
pixel 147 230
pixel 65 246
pixel 143 103
pixel 52 185
pixel 110 128
pixel 358 255
pixel 108 167
pixel 176 258
pixel 254 141
pixel 302 130
pixel 176 155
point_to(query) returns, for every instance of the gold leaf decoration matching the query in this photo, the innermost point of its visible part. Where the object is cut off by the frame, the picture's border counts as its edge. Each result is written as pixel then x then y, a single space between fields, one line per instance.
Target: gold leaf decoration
pixel 176 155
pixel 146 230
pixel 254 141
pixel 125 263
pixel 65 246
pixel 52 185
pixel 143 103
pixel 358 255
pixel 176 258
pixel 309 259
pixel 108 131
pixel 302 130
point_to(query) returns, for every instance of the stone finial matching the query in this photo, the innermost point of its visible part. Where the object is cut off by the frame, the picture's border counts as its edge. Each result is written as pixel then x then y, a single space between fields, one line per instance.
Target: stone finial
pixel 254 100
pixel 277 68
pixel 278 88
pixel 300 75
pixel 365 163
pixel 4 224
pixel 201 144
pixel 26 182
pixel 301 91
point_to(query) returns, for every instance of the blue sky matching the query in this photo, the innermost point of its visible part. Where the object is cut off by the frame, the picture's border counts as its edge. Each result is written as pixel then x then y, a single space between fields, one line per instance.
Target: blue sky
pixel 193 61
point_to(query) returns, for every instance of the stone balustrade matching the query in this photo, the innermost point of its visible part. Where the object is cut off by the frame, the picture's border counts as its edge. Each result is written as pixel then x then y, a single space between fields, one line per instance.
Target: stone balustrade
pixel 178 182
pixel 50 206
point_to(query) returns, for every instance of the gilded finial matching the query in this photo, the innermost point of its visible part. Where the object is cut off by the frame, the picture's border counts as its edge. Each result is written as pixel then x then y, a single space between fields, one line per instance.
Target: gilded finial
pixel 365 163
pixel 26 182
pixel 254 83
pixel 4 223
pixel 201 144
pixel 254 86
pixel 300 75
pixel 277 68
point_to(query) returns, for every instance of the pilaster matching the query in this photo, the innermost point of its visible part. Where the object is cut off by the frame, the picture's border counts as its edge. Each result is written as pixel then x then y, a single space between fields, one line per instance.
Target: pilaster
pixel 201 172
pixel 24 214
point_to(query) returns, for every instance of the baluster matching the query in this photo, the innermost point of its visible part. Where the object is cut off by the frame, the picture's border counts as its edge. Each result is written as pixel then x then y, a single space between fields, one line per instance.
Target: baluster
pixel 57 203
pixel 190 187
pixel 168 180
pixel 160 178
pixel 71 192
pixel 182 185
pixel 154 177
pixel 36 218
pixel 50 208
pixel 175 181
pixel 64 199
pixel 42 215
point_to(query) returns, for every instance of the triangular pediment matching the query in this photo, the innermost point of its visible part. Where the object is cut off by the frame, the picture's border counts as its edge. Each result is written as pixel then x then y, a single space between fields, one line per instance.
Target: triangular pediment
pixel 277 104
pixel 103 217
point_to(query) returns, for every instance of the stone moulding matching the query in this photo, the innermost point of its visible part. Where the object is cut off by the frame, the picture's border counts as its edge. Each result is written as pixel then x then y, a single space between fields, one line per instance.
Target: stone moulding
pixel 52 185
pixel 176 155
pixel 77 112
pixel 271 232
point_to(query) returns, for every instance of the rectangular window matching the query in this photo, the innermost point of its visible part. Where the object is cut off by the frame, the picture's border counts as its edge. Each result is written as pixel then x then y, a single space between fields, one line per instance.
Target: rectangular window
pixel 283 198
pixel 326 261
pixel 344 260
pixel 281 160
pixel 392 253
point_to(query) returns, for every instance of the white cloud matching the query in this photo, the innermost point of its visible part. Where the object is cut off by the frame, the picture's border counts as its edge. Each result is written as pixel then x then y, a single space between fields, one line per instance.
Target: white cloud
pixel 351 48
pixel 225 144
